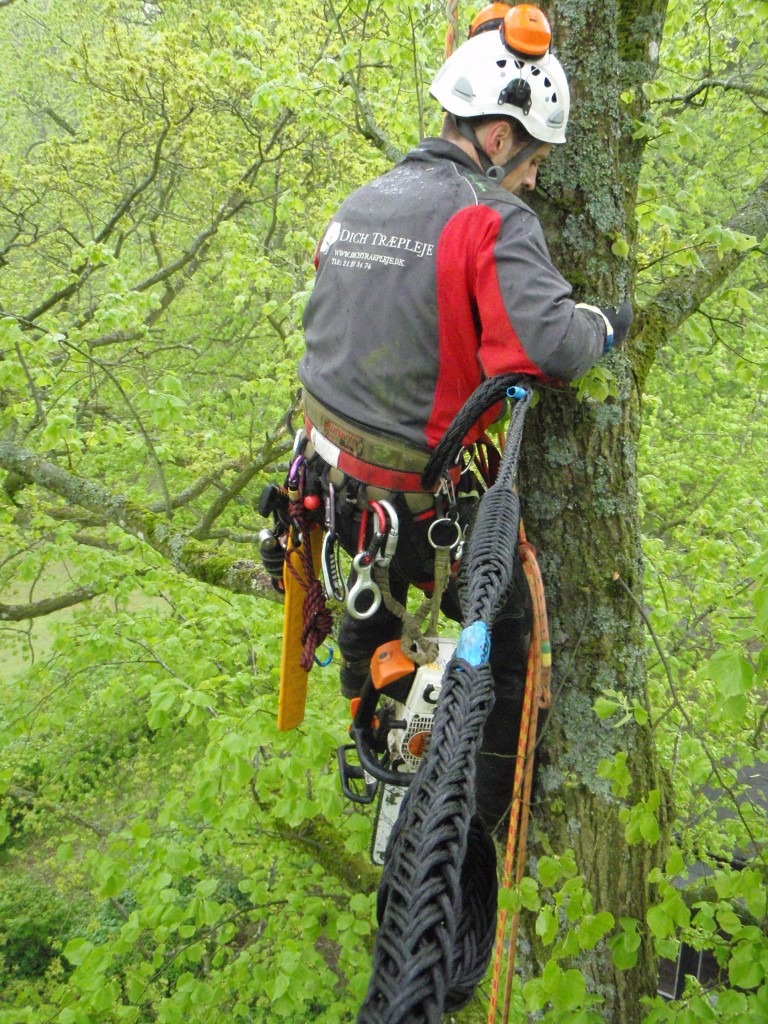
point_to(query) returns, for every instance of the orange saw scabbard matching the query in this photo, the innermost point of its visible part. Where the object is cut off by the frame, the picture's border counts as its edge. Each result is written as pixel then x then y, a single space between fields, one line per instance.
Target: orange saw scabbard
pixel 292 696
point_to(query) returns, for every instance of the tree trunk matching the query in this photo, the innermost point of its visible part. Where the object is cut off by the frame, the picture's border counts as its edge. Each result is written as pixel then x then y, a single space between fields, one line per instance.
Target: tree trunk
pixel 579 493
pixel 578 484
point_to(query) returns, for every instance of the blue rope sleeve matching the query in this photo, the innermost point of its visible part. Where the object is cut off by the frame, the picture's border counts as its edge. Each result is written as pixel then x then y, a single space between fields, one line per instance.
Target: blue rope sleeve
pixel 474 644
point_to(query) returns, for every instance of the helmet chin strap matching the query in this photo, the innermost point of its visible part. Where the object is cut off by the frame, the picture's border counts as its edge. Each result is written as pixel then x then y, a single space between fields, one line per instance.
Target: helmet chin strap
pixel 496 172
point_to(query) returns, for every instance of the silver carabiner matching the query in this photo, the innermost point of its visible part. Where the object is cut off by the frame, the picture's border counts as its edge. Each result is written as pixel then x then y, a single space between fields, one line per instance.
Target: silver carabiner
pixel 390 545
pixel 333 579
pixel 299 443
pixel 460 546
pixel 364 584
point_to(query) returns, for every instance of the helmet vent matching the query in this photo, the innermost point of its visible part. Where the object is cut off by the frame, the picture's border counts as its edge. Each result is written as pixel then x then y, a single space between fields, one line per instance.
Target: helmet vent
pixel 547 83
pixel 554 97
pixel 501 63
pixel 535 71
pixel 519 64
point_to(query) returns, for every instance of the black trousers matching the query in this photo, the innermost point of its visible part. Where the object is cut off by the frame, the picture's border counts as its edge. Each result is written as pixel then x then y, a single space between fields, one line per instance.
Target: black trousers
pixel 413 564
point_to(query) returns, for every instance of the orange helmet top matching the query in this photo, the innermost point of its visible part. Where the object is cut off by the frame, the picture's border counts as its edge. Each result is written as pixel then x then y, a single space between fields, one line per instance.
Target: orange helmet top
pixel 489 18
pixel 526 30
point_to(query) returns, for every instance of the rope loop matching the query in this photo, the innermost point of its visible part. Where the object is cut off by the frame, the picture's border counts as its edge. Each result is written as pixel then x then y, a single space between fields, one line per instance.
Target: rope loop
pixel 318 620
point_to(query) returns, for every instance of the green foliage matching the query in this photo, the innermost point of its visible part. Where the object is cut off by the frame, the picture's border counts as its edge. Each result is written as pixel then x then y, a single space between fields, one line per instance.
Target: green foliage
pixel 35 924
pixel 165 171
pixel 179 830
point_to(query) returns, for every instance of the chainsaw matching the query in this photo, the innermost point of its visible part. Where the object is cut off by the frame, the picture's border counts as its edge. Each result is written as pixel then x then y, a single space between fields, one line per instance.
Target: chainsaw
pixel 390 732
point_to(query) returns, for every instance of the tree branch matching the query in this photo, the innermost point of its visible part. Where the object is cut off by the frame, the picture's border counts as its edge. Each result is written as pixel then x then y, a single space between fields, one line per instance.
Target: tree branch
pixel 59 120
pixel 683 294
pixel 185 497
pixel 366 122
pixel 85 269
pixel 718 767
pixel 241 481
pixel 37 609
pixel 30 799
pixel 187 555
pixel 726 84
pixel 664 527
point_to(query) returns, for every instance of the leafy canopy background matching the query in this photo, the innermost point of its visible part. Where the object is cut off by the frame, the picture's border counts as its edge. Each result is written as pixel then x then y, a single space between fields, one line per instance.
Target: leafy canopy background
pixel 165 172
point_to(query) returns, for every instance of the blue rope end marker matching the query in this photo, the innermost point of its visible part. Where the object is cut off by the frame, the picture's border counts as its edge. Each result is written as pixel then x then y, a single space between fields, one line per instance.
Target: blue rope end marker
pixel 517 393
pixel 474 644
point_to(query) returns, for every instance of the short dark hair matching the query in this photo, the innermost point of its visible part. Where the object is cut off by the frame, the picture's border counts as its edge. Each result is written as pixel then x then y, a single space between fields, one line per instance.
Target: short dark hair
pixel 520 133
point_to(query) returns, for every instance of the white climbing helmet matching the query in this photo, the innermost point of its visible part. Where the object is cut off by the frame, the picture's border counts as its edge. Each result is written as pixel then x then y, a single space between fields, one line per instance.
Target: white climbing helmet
pixel 492 74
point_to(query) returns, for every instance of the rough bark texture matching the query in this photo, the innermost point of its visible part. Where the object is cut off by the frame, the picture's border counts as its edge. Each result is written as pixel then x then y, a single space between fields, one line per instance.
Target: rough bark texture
pixel 579 491
pixel 579 488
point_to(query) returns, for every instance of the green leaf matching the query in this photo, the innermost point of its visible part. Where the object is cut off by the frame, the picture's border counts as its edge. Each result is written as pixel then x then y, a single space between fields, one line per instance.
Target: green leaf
pixel 604 708
pixel 548 870
pixel 570 992
pixel 593 928
pixel 625 944
pixel 732 672
pixel 660 922
pixel 76 950
pixel 745 969
pixel 649 827
pixel 546 925
pixel 675 864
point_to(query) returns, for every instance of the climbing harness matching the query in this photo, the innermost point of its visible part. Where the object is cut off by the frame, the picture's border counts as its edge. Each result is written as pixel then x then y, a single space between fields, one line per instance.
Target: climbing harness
pixel 417 725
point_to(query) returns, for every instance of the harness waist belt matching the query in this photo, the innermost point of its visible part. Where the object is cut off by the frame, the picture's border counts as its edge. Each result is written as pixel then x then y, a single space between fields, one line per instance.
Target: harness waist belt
pixel 361 454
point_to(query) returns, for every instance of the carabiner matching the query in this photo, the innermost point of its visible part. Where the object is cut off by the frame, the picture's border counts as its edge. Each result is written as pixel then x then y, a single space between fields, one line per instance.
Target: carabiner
pixel 328 660
pixel 293 482
pixel 364 584
pixel 333 579
pixel 390 545
pixel 446 488
pixel 299 443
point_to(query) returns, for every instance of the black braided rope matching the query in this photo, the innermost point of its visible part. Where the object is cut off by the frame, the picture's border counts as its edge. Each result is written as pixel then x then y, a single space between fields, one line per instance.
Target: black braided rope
pixel 434 938
pixel 491 391
pixel 491 553
pixel 437 902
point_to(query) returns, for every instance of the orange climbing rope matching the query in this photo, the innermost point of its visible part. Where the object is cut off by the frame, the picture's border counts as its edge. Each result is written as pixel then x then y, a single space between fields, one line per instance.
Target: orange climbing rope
pixel 537 696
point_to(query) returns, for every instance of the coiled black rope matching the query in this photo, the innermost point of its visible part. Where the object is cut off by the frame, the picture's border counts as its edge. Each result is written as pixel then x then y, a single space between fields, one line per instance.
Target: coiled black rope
pixel 437 902
pixel 490 392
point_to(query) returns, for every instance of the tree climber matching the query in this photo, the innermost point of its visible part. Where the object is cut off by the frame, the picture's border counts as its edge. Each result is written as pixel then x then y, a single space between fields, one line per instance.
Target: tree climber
pixel 429 279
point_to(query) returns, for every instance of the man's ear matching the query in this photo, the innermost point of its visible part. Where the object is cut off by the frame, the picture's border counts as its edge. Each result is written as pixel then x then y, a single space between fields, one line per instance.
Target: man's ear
pixel 499 132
